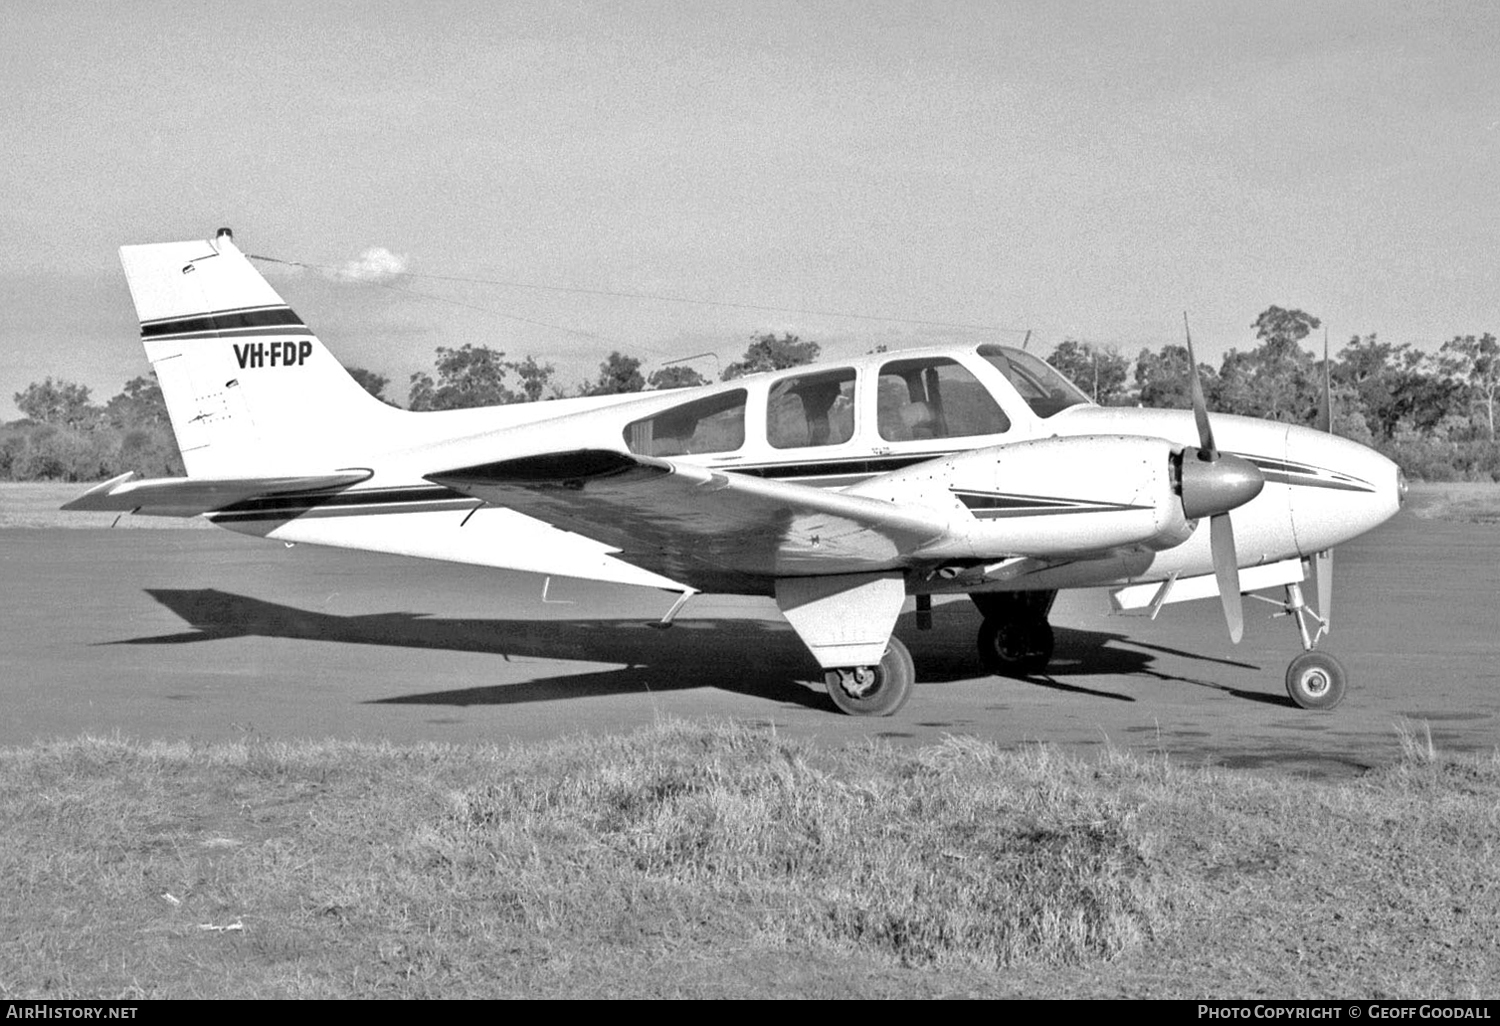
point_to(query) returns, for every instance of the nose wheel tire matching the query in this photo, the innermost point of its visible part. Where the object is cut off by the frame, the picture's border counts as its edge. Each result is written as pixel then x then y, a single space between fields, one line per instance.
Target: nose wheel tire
pixel 1315 680
pixel 1015 648
pixel 873 690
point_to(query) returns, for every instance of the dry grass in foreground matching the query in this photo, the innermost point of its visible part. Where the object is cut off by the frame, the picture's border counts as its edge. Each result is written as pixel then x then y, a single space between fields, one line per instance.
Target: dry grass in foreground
pixel 690 860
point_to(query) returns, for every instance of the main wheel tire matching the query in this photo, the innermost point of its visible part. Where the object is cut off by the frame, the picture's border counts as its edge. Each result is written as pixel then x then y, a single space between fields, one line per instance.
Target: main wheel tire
pixel 1315 680
pixel 882 696
pixel 1015 648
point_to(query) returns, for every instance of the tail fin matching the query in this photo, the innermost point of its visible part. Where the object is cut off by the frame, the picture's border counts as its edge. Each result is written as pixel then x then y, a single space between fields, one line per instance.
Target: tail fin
pixel 248 386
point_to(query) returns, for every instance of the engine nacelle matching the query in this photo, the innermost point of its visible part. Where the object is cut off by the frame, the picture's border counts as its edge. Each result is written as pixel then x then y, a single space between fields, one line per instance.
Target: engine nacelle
pixel 1049 497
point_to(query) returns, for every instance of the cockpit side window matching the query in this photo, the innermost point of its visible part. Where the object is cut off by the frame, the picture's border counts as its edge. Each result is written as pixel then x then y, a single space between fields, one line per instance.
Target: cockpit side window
pixel 1044 389
pixel 935 397
pixel 714 424
pixel 811 409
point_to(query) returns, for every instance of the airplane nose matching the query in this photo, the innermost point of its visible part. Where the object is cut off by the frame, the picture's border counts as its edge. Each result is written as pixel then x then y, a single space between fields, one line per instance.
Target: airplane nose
pixel 1338 490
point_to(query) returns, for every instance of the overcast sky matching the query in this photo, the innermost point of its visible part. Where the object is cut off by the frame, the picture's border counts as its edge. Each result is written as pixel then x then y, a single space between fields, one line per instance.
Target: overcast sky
pixel 1084 170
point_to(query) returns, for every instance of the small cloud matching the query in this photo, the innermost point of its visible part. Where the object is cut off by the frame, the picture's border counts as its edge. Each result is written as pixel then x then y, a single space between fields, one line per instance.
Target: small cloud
pixel 375 264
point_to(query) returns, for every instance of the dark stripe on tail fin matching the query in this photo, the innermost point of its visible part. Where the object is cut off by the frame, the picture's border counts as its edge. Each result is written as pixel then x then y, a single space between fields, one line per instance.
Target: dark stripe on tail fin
pixel 223 320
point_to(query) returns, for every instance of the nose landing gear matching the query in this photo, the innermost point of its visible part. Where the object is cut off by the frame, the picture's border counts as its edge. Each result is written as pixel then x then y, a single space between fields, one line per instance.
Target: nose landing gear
pixel 1314 680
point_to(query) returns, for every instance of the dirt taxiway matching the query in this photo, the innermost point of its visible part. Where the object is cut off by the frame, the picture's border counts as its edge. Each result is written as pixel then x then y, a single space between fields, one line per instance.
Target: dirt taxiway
pixel 208 635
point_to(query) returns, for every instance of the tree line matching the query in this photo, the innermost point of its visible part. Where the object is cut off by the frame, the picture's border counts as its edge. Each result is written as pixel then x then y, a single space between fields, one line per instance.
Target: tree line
pixel 65 436
pixel 1433 413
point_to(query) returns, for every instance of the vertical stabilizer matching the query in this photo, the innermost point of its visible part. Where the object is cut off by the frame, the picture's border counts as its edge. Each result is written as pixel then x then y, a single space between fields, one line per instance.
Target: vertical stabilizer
pixel 249 387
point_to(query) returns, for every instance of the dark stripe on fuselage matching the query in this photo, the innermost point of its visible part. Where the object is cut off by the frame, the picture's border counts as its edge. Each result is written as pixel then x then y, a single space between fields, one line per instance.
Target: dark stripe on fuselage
pixel 417 498
pixel 857 469
pixel 1304 481
pixel 210 324
pixel 991 500
pixel 361 510
pixel 995 506
pixel 1303 475
pixel 358 497
pixel 422 499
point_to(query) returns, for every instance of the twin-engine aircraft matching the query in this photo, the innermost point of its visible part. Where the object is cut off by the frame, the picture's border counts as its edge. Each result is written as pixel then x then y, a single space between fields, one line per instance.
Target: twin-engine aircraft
pixel 838 489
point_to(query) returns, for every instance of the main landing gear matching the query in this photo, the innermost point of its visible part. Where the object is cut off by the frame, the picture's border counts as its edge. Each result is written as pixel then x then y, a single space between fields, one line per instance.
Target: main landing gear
pixel 873 690
pixel 1015 639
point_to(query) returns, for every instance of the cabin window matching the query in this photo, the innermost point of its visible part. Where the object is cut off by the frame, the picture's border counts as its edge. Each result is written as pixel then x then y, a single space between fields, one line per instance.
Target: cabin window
pixel 811 409
pixel 1044 389
pixel 714 424
pixel 935 397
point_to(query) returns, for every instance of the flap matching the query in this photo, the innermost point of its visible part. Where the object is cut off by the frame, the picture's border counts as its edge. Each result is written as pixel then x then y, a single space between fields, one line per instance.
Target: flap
pixel 707 528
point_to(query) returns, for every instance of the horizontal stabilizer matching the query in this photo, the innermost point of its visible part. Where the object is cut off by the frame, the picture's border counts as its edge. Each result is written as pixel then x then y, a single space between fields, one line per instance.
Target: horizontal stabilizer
pixel 191 496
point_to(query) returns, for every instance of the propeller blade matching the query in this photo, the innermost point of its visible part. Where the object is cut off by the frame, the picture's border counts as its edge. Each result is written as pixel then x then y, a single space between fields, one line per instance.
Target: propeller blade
pixel 1325 415
pixel 1227 571
pixel 1207 450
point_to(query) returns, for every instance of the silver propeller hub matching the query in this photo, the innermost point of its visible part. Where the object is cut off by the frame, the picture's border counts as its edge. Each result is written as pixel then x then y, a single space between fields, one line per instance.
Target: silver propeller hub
pixel 1217 485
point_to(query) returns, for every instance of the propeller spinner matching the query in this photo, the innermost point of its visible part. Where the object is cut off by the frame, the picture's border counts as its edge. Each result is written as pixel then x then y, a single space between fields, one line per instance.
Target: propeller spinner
pixel 1213 483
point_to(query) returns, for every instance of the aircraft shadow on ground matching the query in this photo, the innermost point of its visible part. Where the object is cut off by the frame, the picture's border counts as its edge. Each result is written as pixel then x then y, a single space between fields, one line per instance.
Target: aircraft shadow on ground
pixel 762 658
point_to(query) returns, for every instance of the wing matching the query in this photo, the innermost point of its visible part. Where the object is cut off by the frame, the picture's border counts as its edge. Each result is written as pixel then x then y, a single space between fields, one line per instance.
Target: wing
pixel 190 496
pixel 707 528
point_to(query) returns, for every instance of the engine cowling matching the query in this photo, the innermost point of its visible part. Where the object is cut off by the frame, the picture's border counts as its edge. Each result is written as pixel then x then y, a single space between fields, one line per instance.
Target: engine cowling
pixel 1051 497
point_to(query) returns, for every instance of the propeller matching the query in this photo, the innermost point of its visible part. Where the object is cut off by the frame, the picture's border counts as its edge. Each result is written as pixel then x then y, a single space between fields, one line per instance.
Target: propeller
pixel 1325 415
pixel 1213 483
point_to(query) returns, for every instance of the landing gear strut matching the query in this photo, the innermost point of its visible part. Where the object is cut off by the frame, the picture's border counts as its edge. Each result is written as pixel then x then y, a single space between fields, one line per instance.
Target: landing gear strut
pixel 873 690
pixel 1015 639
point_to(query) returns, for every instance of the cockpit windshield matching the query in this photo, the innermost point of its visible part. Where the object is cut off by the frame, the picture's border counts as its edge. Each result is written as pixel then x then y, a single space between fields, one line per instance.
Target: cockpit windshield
pixel 1044 389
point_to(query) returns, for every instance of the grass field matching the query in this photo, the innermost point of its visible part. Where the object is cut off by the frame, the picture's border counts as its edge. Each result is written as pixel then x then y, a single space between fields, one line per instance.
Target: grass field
pixel 1473 502
pixel 725 861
